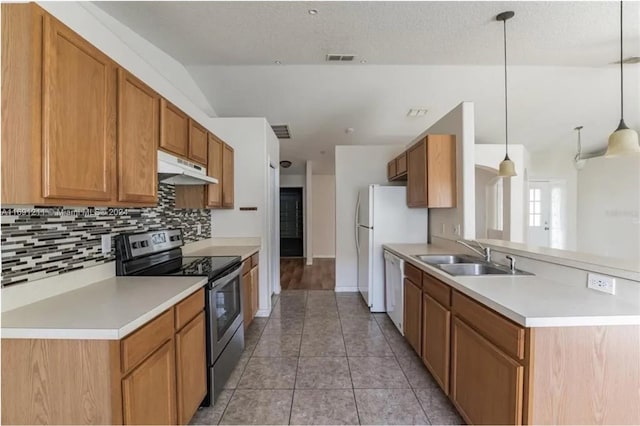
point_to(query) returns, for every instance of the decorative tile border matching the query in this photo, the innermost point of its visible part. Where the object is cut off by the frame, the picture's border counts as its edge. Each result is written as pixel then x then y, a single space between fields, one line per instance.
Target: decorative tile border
pixel 44 241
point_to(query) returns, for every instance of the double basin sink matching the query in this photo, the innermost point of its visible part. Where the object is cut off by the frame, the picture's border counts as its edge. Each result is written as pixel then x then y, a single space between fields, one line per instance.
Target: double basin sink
pixel 463 265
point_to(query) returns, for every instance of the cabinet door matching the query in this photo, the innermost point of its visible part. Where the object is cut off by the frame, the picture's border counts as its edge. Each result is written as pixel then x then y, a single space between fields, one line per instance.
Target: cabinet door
pixel 227 176
pixel 198 141
pixel 391 170
pixel 486 384
pixel 441 168
pixel 174 129
pixel 191 368
pixel 412 314
pixel 214 195
pixel 246 299
pixel 435 340
pixel 401 164
pixel 138 136
pixel 79 117
pixel 149 392
pixel 255 281
pixel 417 175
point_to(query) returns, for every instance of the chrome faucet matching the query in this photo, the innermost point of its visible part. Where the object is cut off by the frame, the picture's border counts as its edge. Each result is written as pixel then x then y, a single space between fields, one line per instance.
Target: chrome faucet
pixel 486 251
pixel 512 263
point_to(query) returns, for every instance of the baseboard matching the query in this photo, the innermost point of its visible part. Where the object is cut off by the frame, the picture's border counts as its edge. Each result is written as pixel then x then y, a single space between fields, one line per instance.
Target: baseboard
pixel 324 257
pixel 262 313
pixel 346 289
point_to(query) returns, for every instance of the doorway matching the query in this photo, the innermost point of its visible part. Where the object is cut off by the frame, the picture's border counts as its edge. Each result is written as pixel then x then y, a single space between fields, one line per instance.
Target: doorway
pixel 547 213
pixel 291 223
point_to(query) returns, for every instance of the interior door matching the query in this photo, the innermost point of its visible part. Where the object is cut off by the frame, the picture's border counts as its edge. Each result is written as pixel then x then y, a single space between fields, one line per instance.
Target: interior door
pixel 291 223
pixel 364 263
pixel 539 213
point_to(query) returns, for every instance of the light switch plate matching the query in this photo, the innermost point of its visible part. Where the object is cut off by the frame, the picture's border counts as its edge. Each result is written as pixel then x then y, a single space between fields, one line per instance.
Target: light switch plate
pixel 601 283
pixel 106 244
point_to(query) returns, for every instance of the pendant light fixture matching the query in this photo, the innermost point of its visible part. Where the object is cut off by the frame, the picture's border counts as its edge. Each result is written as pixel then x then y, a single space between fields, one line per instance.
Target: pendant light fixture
pixel 507 167
pixel 624 140
pixel 578 161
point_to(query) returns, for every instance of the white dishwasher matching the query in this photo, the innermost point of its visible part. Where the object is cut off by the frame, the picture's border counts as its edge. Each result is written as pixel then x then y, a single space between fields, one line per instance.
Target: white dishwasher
pixel 394 288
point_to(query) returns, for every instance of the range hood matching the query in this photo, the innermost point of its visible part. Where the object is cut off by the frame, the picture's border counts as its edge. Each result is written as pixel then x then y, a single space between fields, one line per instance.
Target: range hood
pixel 177 171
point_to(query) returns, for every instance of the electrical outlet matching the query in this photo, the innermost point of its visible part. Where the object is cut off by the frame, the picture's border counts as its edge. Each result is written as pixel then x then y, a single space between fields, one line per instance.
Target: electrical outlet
pixel 106 244
pixel 601 283
pixel 199 229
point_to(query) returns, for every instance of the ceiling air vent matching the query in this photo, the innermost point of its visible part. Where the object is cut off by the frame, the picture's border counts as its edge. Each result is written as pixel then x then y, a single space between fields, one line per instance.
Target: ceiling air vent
pixel 281 131
pixel 334 57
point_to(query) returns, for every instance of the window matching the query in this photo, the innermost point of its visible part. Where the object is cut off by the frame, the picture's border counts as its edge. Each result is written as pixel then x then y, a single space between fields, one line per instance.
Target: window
pixel 535 207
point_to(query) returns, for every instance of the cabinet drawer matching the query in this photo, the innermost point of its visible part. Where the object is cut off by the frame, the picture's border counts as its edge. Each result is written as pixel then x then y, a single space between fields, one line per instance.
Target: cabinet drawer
pixel 189 308
pixel 255 259
pixel 413 274
pixel 499 330
pixel 436 289
pixel 246 266
pixel 145 340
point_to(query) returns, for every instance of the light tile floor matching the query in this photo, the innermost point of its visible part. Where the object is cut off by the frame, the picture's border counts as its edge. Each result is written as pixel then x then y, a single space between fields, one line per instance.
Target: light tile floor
pixel 323 358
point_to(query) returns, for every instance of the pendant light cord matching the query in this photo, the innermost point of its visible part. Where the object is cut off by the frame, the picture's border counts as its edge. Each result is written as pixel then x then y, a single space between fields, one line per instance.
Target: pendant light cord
pixel 506 109
pixel 621 73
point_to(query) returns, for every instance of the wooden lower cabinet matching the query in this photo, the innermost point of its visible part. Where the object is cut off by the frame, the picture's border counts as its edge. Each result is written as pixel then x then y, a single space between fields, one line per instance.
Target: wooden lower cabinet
pixel 436 323
pixel 250 289
pixel 413 315
pixel 149 391
pixel 191 367
pixel 155 375
pixel 486 384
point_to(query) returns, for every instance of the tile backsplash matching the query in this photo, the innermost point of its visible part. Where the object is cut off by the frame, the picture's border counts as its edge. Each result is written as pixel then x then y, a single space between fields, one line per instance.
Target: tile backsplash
pixel 44 241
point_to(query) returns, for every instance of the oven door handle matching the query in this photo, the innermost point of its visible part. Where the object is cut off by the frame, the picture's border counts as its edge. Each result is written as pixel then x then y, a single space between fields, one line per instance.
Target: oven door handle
pixel 225 279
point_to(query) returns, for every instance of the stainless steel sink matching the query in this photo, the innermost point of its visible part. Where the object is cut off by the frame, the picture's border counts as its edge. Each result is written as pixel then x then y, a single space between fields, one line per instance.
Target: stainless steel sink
pixel 476 269
pixel 442 259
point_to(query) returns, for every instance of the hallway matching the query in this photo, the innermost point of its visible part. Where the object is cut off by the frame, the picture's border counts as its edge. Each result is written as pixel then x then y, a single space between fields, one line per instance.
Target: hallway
pixel 296 275
pixel 323 358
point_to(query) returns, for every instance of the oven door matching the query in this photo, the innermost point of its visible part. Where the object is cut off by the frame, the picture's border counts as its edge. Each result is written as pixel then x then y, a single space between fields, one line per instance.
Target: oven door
pixel 224 311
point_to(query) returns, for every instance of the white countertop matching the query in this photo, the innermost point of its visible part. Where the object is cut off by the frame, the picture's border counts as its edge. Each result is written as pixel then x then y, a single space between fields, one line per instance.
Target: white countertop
pixel 531 301
pixel 243 251
pixel 106 310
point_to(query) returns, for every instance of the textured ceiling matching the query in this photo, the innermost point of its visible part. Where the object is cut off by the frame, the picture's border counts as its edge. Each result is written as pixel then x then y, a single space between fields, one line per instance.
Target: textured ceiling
pixel 419 54
pixel 443 33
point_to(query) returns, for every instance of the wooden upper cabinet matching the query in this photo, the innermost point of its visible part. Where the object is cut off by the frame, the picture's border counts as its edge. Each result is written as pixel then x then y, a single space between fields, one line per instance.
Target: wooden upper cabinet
pixel 227 176
pixel 401 164
pixel 78 117
pixel 174 129
pixel 138 138
pixel 431 172
pixel 417 175
pixel 486 384
pixel 198 143
pixel 214 191
pixel 391 169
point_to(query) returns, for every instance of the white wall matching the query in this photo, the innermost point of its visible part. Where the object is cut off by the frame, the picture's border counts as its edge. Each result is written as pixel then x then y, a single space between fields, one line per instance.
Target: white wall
pixel 353 173
pixel 324 215
pixel 514 188
pixel 292 181
pixel 459 121
pixel 255 147
pixel 608 206
pixel 558 164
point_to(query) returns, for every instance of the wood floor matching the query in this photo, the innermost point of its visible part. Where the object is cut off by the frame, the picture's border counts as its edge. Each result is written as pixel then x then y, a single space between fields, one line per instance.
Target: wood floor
pixel 296 275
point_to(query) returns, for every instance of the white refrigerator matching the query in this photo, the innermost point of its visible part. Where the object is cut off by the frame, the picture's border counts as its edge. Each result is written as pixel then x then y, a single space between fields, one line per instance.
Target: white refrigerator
pixel 382 217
